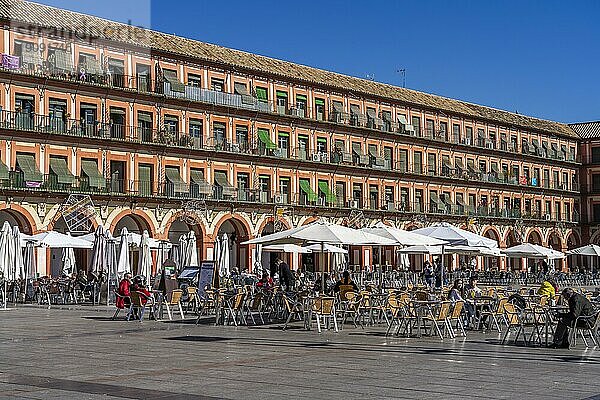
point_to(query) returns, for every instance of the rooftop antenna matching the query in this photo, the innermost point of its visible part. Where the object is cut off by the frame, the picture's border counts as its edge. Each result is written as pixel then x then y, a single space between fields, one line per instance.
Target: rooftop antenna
pixel 370 77
pixel 402 73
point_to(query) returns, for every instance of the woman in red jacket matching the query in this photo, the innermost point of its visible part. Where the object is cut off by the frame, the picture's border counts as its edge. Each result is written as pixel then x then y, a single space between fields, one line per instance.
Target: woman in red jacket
pixel 124 291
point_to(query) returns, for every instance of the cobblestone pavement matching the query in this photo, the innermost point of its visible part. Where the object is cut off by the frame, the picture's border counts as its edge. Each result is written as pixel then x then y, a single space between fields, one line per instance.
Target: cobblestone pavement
pixel 81 354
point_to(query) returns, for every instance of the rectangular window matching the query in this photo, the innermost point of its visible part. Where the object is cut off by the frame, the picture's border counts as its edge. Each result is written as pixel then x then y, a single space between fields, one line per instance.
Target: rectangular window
pixel 322 145
pixel 418 206
pixel 219 135
pixel 283 144
pixel 117 123
pixel 596 155
pixel 418 162
pixel 468 135
pixel 196 132
pixel 282 101
pixel 300 105
pixel 431 163
pixel 262 94
pixel 284 189
pixel 320 109
pixel 194 80
pixel 241 138
pixel 217 84
pixel 443 131
pixel 403 163
pixel 456 133
pixel 243 186
pixel 429 128
pixel 143 77
pixel 416 123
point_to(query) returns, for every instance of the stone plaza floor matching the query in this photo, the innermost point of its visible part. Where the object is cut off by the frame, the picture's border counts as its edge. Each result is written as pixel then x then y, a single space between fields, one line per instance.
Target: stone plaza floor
pixel 81 354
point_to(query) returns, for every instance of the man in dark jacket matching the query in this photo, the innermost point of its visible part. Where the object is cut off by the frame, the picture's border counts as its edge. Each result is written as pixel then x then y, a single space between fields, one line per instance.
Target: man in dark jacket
pixel 578 306
pixel 285 275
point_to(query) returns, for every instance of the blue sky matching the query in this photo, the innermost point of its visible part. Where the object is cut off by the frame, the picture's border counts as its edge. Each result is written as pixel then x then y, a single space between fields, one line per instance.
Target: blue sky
pixel 539 58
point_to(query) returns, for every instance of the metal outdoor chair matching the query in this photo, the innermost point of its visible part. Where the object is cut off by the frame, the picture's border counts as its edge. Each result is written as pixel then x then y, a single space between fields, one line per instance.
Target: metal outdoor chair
pixel 324 307
pixel 456 316
pixel 175 300
pixel 515 322
pixel 439 319
pixel 139 303
pixel 126 300
pixel 583 324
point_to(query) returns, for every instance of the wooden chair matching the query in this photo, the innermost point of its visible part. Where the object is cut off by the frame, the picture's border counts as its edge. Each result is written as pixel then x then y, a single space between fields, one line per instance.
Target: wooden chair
pixel 254 305
pixel 515 322
pixel 456 316
pixel 493 314
pixel 439 319
pixel 175 300
pixel 126 300
pixel 234 308
pixel 139 303
pixel 192 300
pixel 324 307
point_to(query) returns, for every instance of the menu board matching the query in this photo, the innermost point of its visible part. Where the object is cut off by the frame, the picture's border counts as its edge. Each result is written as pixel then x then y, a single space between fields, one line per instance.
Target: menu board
pixel 207 270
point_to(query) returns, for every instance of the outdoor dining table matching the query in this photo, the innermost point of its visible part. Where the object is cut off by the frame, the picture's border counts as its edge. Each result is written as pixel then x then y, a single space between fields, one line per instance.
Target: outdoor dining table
pixel 481 304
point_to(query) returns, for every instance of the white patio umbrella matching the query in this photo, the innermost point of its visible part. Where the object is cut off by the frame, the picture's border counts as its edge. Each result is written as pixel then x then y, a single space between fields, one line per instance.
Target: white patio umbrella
pixel 402 237
pixel 453 235
pixel 224 266
pixel 258 257
pixel 323 233
pixel 5 255
pixel 145 261
pixel 99 252
pixel 286 248
pixel 530 250
pixel 327 248
pixel 123 264
pixel 68 261
pixel 57 240
pixel 191 250
pixel 591 250
pixel 29 260
pixel 421 249
pixel 19 268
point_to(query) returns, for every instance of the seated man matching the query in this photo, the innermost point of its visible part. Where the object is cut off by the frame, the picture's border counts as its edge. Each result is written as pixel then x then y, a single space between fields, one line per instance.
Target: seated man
pixel 578 306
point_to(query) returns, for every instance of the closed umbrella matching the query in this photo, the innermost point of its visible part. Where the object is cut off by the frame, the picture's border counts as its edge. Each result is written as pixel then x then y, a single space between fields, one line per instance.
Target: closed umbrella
pixel 224 266
pixel 145 262
pixel 191 250
pixel 5 256
pixel 19 268
pixel 99 252
pixel 258 257
pixel 68 261
pixel 123 264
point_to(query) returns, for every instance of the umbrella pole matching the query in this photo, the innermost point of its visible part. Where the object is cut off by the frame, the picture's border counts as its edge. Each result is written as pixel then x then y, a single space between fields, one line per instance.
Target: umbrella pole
pixel 380 270
pixel 442 270
pixel 323 267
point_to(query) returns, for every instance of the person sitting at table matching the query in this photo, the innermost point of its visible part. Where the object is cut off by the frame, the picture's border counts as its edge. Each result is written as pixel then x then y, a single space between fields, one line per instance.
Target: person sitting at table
pixel 266 282
pixel 139 286
pixel 457 293
pixel 124 292
pixel 472 290
pixel 345 285
pixel 547 289
pixel 579 306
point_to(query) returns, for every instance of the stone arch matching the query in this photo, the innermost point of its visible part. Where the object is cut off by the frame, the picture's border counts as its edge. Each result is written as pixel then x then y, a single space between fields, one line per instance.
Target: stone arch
pixel 167 228
pixel 135 220
pixel 510 240
pixel 21 217
pixel 491 263
pixel 270 221
pixel 238 230
pixel 554 241
pixel 534 236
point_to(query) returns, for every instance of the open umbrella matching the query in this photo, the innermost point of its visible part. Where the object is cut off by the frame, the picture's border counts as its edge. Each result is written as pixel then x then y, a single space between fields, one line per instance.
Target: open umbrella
pixel 327 248
pixel 530 250
pixel 145 262
pixel 57 240
pixel 286 248
pixel 453 235
pixel 323 233
pixel 402 237
pixel 591 250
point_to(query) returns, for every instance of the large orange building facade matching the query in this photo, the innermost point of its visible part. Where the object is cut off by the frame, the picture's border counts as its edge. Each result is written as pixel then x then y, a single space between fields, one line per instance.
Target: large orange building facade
pixel 169 135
